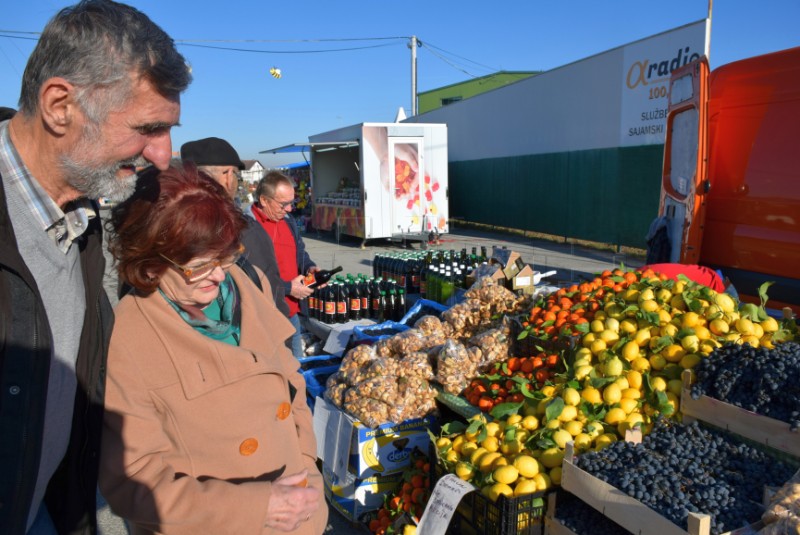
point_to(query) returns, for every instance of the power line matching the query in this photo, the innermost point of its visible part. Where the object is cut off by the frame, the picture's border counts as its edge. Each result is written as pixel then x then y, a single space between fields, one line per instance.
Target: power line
pixel 197 43
pixel 427 44
pixel 327 40
pixel 19 37
pixel 282 51
pixel 287 40
pixel 456 67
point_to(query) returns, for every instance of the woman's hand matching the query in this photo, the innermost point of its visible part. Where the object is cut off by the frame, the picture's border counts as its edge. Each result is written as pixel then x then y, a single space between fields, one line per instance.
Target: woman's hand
pixel 291 502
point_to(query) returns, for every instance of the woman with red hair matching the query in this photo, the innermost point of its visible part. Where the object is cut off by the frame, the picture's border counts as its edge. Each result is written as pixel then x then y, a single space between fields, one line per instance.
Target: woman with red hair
pixel 207 429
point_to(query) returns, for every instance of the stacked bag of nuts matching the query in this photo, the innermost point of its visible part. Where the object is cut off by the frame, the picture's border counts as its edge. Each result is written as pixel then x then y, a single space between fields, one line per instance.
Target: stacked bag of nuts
pixel 783 513
pixel 390 382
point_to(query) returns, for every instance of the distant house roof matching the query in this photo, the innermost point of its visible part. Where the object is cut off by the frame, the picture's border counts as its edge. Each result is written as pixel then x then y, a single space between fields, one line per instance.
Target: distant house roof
pixel 250 164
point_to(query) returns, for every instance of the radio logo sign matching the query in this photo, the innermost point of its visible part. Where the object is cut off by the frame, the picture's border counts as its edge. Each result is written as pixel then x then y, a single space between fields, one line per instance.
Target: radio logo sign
pixel 647 66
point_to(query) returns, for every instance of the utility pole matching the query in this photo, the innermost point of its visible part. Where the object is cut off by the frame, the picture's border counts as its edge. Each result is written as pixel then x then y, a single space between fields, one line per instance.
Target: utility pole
pixel 413 47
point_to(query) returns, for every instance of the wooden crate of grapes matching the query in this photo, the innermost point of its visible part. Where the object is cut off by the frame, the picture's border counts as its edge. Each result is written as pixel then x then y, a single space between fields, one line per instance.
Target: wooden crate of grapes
pixel 762 429
pixel 554 526
pixel 626 511
pixel 633 515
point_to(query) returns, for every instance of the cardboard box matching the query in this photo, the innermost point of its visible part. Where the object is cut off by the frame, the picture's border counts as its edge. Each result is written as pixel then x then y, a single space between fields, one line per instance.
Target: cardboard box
pixel 354 497
pixel 524 280
pixel 510 261
pixel 347 445
pixel 487 270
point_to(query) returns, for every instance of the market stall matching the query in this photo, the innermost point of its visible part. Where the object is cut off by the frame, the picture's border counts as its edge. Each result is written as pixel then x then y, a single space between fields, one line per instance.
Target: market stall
pixel 379 180
pixel 583 392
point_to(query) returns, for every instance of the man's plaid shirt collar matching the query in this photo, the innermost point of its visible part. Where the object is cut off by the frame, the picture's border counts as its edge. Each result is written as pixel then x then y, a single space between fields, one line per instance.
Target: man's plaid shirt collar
pixel 63 227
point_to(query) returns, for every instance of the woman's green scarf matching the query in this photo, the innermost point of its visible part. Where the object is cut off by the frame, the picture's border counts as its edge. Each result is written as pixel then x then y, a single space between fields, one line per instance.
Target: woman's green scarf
pixel 227 327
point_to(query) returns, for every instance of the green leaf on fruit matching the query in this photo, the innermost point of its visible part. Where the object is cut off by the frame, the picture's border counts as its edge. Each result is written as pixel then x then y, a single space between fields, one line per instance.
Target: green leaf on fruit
pixel 525 391
pixel 453 428
pixel 477 427
pixel 554 409
pixel 582 327
pixel 600 382
pixel 504 410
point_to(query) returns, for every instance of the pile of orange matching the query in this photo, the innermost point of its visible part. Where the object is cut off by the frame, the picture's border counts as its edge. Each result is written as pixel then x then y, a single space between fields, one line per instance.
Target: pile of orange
pixel 411 497
pixel 568 311
pixel 505 381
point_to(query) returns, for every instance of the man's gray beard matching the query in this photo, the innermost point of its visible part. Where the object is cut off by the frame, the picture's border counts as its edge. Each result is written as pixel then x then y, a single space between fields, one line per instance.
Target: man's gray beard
pixel 96 182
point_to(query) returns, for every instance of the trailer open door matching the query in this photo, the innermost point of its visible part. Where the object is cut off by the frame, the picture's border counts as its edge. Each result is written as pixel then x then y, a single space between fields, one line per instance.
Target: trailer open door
pixel 408 165
pixel 685 169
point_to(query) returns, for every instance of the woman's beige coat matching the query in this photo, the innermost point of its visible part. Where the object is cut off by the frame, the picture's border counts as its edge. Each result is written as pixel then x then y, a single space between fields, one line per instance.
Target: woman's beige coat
pixel 195 429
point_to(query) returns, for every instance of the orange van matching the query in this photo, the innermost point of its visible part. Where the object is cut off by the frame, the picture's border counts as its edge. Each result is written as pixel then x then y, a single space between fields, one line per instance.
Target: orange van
pixel 730 191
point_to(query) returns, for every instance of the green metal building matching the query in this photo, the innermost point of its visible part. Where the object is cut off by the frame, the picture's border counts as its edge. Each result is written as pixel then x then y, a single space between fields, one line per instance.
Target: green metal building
pixel 575 151
pixel 449 94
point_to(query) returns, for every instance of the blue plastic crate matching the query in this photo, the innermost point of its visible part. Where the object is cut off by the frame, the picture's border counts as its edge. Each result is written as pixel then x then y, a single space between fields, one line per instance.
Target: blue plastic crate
pixel 370 334
pixel 423 307
pixel 316 378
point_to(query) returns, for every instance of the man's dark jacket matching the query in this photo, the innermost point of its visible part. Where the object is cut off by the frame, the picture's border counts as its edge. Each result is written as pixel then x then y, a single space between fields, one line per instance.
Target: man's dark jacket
pixel 25 348
pixel 260 252
pixel 257 243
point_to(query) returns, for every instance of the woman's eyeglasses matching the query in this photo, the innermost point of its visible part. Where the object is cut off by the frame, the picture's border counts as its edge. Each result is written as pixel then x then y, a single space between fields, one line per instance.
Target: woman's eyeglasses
pixel 198 273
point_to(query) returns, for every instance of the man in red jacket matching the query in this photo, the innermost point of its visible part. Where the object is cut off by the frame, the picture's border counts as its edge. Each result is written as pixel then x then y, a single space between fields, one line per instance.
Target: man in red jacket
pixel 272 209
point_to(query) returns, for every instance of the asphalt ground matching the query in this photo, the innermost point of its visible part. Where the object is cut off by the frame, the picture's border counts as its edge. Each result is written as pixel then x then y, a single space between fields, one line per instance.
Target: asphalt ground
pixel 572 262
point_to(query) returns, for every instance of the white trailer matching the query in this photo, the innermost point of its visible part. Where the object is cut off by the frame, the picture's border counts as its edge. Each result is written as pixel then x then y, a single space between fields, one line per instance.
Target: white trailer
pixel 379 180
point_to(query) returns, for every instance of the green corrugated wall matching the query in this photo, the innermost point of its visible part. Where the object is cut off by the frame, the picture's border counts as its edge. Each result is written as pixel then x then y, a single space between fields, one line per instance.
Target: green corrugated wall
pixel 604 195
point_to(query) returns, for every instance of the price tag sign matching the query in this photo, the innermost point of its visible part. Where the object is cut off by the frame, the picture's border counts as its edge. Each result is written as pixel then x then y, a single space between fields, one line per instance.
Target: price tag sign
pixel 442 504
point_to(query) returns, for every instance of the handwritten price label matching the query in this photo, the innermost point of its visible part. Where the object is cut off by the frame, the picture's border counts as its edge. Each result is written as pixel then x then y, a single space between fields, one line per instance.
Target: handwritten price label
pixel 442 505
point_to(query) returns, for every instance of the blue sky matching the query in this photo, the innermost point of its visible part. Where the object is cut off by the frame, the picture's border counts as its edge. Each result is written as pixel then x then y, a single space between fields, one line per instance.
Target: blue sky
pixel 233 95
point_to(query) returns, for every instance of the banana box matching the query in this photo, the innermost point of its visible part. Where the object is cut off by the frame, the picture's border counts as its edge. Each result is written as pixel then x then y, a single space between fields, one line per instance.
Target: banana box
pixel 387 449
pixel 348 446
pixel 354 497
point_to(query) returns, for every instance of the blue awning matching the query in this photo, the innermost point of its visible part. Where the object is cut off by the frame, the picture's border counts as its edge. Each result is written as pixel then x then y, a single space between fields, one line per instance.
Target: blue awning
pixel 296 165
pixel 303 147
pixel 294 147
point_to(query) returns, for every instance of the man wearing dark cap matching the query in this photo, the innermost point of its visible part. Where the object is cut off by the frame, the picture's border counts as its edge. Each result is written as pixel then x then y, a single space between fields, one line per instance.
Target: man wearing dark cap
pixel 220 161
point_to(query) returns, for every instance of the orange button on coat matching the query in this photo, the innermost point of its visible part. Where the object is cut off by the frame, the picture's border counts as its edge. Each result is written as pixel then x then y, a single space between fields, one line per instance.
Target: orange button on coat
pixel 284 409
pixel 248 446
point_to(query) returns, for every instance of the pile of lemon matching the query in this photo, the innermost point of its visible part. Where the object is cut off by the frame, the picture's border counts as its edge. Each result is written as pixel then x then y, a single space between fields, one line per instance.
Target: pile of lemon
pixel 639 344
pixel 486 457
pixel 625 370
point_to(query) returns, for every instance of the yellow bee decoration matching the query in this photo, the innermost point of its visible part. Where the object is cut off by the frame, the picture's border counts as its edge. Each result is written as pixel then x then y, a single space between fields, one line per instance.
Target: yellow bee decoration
pixel 275 72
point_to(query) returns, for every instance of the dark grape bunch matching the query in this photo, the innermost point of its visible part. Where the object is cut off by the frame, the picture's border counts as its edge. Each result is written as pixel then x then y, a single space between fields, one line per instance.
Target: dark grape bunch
pixel 583 519
pixel 760 380
pixel 683 468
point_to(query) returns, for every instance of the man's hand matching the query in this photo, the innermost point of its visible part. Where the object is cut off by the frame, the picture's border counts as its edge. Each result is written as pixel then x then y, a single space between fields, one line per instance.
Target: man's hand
pixel 300 290
pixel 291 502
pixel 314 269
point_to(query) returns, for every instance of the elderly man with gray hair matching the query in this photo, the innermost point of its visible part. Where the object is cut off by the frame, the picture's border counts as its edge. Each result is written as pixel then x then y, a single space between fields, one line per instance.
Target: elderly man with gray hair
pixel 100 94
